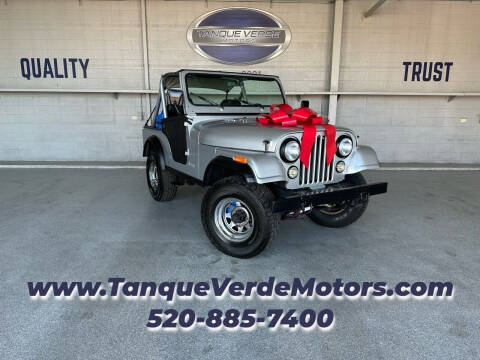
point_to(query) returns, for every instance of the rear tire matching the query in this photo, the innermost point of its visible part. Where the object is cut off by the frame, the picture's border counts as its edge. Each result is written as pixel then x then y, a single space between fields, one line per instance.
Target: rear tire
pixel 237 217
pixel 160 182
pixel 340 215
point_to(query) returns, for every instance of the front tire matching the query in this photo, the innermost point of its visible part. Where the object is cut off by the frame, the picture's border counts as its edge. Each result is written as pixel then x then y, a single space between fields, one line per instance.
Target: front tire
pixel 343 214
pixel 160 182
pixel 237 217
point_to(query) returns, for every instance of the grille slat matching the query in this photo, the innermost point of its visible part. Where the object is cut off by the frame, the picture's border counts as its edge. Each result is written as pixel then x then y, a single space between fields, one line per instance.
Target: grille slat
pixel 320 155
pixel 312 163
pixel 318 172
pixel 324 161
pixel 317 152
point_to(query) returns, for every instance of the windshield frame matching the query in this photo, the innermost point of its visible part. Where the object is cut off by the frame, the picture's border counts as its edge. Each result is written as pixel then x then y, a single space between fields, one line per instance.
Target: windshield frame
pixel 214 109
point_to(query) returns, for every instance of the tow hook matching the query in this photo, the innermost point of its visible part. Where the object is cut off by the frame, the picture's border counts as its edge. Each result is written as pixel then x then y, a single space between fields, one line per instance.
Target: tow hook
pixel 298 214
pixel 306 209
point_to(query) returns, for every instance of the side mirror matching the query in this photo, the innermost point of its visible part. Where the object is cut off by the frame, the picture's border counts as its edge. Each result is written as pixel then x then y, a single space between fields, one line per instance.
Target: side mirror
pixel 175 96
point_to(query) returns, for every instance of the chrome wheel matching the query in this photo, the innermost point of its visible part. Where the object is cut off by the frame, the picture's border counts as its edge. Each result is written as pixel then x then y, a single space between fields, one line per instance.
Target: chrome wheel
pixel 153 175
pixel 233 220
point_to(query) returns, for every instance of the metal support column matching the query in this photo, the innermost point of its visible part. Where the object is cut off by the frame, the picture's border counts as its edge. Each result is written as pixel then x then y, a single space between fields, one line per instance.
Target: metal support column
pixel 335 69
pixel 146 66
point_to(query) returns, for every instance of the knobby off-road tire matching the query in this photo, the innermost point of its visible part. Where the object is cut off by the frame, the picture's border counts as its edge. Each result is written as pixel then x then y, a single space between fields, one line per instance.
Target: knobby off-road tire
pixel 160 182
pixel 237 217
pixel 340 215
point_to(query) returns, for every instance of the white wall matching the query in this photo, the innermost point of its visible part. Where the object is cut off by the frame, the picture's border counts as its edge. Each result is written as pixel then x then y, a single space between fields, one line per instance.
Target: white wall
pixel 36 126
pixel 90 127
pixel 412 129
pixel 303 67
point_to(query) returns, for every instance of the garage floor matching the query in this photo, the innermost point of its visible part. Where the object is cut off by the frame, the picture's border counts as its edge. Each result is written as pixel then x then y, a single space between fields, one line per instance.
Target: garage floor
pixel 89 225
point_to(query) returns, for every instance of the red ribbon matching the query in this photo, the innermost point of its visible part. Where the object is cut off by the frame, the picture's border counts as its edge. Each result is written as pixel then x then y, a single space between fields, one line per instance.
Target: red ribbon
pixel 284 115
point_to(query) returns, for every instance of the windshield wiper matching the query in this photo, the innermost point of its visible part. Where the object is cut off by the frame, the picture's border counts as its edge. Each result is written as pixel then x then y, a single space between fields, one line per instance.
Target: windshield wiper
pixel 205 99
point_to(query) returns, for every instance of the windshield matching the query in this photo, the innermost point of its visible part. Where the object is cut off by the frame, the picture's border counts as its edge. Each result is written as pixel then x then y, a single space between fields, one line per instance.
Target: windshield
pixel 232 90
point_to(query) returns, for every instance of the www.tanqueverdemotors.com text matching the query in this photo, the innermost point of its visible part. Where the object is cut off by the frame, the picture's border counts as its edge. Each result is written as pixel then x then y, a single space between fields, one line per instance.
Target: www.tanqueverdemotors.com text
pixel 271 288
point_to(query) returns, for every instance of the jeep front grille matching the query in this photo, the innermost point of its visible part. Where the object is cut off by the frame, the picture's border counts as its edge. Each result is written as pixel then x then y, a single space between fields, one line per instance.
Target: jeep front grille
pixel 318 172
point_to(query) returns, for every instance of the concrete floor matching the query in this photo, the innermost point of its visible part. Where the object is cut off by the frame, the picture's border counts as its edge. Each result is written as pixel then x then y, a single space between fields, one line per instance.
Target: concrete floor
pixel 88 225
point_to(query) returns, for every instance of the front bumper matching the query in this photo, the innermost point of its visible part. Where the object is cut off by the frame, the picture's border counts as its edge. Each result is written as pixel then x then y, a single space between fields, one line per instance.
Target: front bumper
pixel 327 196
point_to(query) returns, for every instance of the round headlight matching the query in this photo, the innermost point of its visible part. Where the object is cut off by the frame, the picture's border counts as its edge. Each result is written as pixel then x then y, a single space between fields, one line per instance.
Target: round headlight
pixel 344 146
pixel 290 150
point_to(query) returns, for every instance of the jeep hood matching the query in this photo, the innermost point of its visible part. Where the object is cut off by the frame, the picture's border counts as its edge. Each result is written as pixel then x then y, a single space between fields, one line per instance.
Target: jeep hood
pixel 248 134
pixel 243 134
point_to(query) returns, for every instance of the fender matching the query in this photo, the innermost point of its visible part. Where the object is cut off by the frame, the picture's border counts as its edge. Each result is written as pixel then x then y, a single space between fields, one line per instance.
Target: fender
pixel 154 143
pixel 364 158
pixel 266 167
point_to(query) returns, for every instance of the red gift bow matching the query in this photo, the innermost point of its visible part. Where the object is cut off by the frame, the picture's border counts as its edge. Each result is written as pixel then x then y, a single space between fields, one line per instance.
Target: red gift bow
pixel 286 116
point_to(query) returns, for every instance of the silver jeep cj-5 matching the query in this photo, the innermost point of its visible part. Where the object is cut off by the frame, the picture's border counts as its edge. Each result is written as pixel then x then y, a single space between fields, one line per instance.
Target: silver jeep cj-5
pixel 203 130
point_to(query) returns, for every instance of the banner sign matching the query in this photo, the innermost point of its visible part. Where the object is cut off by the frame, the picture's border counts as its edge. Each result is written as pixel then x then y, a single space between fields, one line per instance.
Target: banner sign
pixel 239 36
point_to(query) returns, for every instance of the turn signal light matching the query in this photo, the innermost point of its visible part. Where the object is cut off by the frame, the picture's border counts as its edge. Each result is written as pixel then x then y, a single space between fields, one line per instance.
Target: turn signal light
pixel 240 159
pixel 340 166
